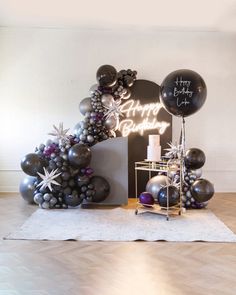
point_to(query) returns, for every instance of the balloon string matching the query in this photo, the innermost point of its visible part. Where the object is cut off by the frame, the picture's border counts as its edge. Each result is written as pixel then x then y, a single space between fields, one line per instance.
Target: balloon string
pixel 182 166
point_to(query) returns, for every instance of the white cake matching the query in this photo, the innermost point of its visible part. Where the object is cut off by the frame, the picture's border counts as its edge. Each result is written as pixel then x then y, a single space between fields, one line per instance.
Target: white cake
pixel 154 148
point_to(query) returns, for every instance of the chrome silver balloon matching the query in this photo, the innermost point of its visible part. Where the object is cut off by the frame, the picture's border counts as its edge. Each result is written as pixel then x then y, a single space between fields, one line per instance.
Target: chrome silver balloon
pixel 27 188
pixel 155 184
pixel 85 106
pixel 107 100
pixel 111 123
pixel 93 88
pixel 197 172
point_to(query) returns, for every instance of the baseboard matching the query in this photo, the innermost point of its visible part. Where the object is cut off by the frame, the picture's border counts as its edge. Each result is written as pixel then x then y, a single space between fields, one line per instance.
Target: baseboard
pixel 10 180
pixel 224 181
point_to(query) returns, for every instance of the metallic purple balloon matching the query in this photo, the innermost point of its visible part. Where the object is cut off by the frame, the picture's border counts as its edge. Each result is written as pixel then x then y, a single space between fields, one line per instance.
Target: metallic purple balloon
pixel 146 198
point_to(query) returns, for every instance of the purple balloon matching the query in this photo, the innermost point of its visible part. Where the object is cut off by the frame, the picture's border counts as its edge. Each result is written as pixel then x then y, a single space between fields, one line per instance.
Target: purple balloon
pixel 146 198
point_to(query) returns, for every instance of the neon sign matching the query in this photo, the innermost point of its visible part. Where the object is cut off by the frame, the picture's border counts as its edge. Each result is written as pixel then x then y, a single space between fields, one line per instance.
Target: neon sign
pixel 132 109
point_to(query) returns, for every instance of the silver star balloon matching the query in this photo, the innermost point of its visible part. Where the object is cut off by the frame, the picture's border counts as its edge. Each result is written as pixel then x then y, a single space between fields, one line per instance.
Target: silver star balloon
pixel 114 111
pixel 61 134
pixel 174 150
pixel 48 179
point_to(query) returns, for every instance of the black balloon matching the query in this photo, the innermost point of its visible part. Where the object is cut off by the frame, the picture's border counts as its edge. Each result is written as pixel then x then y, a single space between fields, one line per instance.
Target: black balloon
pixel 107 76
pixel 101 188
pixel 72 200
pixel 31 164
pixel 183 92
pixel 202 190
pixel 174 196
pixel 79 155
pixel 27 188
pixel 83 180
pixel 194 158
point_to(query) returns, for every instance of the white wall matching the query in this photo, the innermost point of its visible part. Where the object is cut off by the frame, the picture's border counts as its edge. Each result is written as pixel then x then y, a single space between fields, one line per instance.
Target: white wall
pixel 44 73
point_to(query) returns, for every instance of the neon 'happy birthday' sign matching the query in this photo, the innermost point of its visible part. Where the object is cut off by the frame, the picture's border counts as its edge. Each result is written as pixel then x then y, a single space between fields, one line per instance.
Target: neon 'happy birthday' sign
pixel 133 109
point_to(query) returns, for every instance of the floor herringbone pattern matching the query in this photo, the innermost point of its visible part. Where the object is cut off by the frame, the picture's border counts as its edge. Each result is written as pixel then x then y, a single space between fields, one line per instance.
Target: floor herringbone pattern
pixel 110 268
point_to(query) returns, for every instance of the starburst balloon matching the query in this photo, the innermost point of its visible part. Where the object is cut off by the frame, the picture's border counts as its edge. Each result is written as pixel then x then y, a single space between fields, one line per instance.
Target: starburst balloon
pixel 48 179
pixel 174 150
pixel 113 109
pixel 60 133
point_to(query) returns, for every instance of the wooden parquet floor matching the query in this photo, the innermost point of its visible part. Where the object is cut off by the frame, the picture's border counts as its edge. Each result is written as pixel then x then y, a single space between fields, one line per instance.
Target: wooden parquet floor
pixel 111 268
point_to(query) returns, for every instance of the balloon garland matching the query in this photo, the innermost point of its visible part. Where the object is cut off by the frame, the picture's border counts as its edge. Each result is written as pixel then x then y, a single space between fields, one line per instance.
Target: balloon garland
pixel 59 175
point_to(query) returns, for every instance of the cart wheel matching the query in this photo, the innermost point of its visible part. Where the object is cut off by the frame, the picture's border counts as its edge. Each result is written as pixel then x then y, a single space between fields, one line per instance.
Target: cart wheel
pixel 136 211
pixel 167 218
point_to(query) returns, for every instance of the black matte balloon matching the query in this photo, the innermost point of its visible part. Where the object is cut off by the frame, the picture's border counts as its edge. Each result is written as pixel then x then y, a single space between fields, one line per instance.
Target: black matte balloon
pixel 72 200
pixel 183 93
pixel 107 76
pixel 31 164
pixel 174 196
pixel 202 190
pixel 79 155
pixel 101 188
pixel 82 180
pixel 27 189
pixel 194 158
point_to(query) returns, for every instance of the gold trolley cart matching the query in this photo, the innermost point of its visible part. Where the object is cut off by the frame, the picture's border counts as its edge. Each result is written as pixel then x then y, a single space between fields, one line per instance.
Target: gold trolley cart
pixel 164 167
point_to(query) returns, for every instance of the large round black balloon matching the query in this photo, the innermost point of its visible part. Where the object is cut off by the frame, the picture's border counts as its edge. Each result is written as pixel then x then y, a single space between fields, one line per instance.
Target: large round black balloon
pixel 183 92
pixel 31 164
pixel 79 155
pixel 72 200
pixel 101 188
pixel 27 189
pixel 202 190
pixel 174 196
pixel 194 158
pixel 107 76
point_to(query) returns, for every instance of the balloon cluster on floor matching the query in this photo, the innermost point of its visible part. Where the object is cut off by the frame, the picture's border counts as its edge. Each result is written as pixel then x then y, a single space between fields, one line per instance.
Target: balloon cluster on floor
pixel 183 93
pixel 59 175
